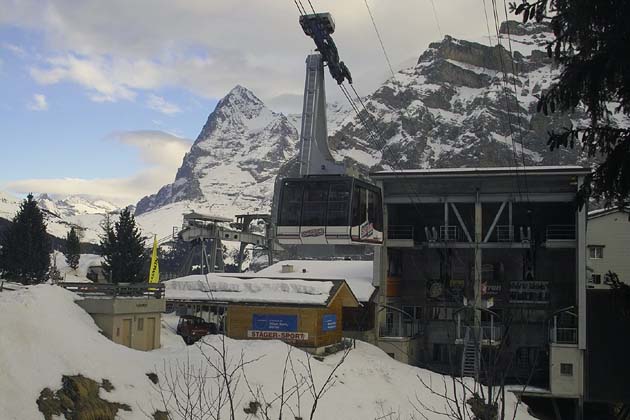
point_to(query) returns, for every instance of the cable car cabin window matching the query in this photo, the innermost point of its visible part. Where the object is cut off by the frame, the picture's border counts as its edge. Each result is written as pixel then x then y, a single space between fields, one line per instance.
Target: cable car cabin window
pixel 291 204
pixel 338 203
pixel 315 201
pixel 359 200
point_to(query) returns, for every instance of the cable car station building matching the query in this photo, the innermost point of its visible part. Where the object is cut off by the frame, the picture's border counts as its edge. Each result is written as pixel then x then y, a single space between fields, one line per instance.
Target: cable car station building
pixel 485 266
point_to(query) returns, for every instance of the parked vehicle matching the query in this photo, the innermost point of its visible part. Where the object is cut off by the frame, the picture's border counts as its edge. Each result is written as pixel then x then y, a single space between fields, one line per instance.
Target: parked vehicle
pixel 192 328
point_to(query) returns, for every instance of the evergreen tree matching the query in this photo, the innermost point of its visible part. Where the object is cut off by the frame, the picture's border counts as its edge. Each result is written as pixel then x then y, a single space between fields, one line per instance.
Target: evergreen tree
pixel 591 39
pixel 25 253
pixel 123 250
pixel 72 250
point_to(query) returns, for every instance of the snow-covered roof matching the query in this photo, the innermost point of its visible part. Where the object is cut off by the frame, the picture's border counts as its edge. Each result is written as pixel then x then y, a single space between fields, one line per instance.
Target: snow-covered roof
pixel 358 274
pixel 220 288
pixel 499 170
pixel 602 212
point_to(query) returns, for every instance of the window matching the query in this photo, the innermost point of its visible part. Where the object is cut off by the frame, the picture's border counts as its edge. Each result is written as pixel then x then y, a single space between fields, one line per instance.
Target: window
pixel 566 369
pixel 596 278
pixel 140 324
pixel 596 252
pixel 338 202
pixel 291 205
pixel 314 208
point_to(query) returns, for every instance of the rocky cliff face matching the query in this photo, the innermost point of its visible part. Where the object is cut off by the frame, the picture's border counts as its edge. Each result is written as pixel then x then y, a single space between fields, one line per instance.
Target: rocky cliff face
pixel 462 104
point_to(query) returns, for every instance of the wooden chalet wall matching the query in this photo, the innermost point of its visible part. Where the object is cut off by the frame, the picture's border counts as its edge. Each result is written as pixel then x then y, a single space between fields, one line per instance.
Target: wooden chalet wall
pixel 309 319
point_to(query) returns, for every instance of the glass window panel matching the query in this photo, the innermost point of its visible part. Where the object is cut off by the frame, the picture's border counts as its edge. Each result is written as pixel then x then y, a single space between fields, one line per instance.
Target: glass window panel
pixel 315 204
pixel 291 205
pixel 338 203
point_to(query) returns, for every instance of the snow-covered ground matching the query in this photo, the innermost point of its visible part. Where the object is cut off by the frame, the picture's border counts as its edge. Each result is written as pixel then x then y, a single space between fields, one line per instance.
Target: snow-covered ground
pixel 80 274
pixel 45 335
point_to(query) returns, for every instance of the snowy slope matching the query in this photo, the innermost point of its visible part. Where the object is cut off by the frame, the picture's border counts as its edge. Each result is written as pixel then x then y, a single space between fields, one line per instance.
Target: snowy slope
pixel 61 215
pixel 45 335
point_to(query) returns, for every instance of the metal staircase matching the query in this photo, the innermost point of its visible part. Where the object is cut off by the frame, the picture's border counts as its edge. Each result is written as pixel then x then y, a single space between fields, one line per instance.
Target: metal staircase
pixel 470 355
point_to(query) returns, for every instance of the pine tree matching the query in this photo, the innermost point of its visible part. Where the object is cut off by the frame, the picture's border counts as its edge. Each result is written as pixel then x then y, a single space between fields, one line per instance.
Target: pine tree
pixel 25 253
pixel 123 250
pixel 72 250
pixel 591 39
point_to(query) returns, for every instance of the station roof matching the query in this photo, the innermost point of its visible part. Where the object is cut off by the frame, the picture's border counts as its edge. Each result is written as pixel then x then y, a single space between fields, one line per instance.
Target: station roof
pixel 216 287
pixel 358 274
pixel 206 217
pixel 488 171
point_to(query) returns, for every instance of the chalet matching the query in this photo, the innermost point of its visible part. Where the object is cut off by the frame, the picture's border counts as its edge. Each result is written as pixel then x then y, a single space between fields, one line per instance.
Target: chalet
pixel 306 313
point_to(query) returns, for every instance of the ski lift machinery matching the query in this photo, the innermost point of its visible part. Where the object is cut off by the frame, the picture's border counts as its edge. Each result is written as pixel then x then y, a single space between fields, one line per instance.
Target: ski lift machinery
pixel 325 205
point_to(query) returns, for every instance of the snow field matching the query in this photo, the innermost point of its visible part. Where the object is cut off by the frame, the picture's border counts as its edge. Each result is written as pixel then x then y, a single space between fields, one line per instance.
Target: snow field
pixel 46 335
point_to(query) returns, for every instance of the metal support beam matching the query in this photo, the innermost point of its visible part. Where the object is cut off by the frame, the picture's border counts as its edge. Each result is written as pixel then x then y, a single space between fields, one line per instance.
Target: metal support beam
pixel 478 263
pixel 461 222
pixel 485 198
pixel 495 221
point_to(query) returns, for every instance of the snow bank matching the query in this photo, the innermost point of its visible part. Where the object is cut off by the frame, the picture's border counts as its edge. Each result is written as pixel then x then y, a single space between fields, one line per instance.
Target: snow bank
pixel 232 289
pixel 45 335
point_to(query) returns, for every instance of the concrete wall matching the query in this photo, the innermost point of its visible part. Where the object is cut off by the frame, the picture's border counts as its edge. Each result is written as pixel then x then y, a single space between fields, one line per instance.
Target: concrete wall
pixel 132 322
pixel 613 232
pixel 405 350
pixel 563 385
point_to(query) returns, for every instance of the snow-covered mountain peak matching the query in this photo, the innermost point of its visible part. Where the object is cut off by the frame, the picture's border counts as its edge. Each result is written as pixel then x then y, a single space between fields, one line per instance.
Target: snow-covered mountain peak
pixel 74 205
pixel 233 162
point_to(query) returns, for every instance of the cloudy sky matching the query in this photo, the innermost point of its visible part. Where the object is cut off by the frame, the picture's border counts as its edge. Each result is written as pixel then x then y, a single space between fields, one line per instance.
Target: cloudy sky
pixel 105 97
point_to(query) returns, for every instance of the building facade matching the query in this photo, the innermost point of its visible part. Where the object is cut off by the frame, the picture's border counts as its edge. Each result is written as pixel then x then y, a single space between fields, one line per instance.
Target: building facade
pixel 485 269
pixel 608 246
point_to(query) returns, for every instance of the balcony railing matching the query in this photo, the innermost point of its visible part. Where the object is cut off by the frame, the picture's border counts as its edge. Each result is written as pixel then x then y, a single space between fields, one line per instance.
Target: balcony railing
pixel 505 233
pixel 560 232
pixel 400 232
pixel 560 335
pixel 401 329
pixel 449 233
pixel 485 333
pixel 153 290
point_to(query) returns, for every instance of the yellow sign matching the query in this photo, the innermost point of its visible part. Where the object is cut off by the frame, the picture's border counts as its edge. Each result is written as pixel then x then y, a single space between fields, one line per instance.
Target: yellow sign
pixel 154 271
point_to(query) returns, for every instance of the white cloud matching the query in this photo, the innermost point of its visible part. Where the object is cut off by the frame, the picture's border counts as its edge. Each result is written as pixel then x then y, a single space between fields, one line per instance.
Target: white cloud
pixel 94 74
pixel 15 49
pixel 38 103
pixel 157 103
pixel 117 48
pixel 162 154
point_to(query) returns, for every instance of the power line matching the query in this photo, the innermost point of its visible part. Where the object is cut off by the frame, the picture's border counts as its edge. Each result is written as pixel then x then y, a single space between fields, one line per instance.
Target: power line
pixel 378 35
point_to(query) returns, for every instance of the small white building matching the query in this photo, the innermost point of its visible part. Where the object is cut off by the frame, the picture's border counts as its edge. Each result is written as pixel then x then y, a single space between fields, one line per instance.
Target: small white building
pixel 608 244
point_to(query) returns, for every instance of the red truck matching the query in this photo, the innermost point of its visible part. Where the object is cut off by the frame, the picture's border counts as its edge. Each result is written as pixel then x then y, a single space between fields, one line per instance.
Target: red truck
pixel 192 328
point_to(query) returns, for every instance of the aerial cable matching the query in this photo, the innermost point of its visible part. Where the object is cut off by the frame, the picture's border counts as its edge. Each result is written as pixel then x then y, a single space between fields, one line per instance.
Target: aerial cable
pixel 435 16
pixel 485 12
pixel 312 8
pixel 505 89
pixel 301 9
pixel 518 111
pixel 378 35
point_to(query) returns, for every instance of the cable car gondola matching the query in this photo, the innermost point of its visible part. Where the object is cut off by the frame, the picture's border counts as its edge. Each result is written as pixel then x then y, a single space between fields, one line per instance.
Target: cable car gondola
pixel 336 209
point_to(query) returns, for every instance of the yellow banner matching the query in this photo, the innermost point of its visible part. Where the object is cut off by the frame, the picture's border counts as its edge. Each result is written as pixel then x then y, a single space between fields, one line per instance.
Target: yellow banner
pixel 154 271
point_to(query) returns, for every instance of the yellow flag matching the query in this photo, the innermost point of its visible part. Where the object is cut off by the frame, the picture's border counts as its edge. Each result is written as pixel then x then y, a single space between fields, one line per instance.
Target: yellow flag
pixel 154 271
